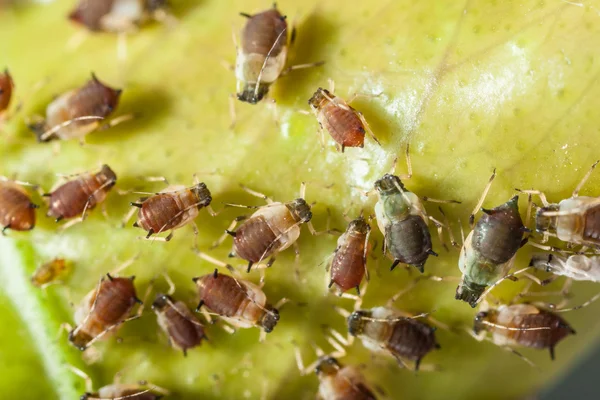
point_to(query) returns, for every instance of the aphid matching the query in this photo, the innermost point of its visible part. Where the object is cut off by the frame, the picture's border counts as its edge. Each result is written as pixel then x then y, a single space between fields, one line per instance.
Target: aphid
pixel 116 15
pixel 240 303
pixel 262 56
pixel 338 382
pixel 119 391
pixel 489 250
pixel 575 220
pixel 522 325
pixel 74 198
pixel 345 125
pixel 403 220
pixel 175 318
pixel 579 267
pixel 270 230
pixel 17 212
pixel 6 89
pixel 102 311
pixel 77 112
pixel 349 264
pixel 171 209
pixel 48 273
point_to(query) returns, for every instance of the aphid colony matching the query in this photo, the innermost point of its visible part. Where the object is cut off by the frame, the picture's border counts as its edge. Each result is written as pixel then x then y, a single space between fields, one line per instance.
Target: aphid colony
pixel 486 257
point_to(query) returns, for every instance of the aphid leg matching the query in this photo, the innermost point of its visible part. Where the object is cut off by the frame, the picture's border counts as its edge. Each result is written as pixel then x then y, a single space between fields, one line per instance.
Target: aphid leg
pixel 89 385
pixel 232 113
pixel 521 356
pixel 440 230
pixel 116 121
pixel 346 341
pixel 449 228
pixel 69 224
pixel 481 199
pixel 229 231
pixel 492 286
pixel 125 264
pixel 300 66
pixel 170 283
pixel 541 195
pixel 543 247
pixel 48 134
pixel 296 261
pixel 266 198
pixel 584 180
pixel 368 127
pixel 130 213
pixel 156 238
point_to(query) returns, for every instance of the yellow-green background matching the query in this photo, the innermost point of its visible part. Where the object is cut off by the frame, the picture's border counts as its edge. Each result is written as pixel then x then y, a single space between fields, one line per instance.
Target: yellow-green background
pixel 470 85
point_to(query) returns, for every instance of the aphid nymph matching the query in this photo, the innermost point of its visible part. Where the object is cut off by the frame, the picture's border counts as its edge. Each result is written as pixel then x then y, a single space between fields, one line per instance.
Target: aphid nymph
pixel 17 211
pixel 115 15
pixel 48 273
pixel 6 89
pixel 339 382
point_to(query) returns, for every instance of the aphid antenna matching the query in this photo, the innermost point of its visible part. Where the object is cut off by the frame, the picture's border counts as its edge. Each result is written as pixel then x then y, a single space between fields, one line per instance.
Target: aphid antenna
pixel 89 385
pixel 481 199
pixel 509 328
pixel 92 308
pixel 587 303
pixel 110 328
pixel 264 65
pixel 242 287
pixel 87 203
pixel 512 276
pixel 124 265
pixel 50 132
pixel 584 180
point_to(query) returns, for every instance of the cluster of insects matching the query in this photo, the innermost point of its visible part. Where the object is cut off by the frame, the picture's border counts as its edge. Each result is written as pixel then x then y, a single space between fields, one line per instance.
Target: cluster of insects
pixel 487 254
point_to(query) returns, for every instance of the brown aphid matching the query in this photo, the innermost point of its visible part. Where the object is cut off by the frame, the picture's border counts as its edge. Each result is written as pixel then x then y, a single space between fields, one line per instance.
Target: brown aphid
pixel 339 382
pixel 81 194
pixel 522 325
pixel 77 112
pixel 181 326
pixel 345 125
pixel 172 208
pixel 6 89
pixel 239 302
pixel 119 391
pixel 103 311
pixel 115 15
pixel 17 212
pixel 49 272
pixel 349 264
pixel 385 330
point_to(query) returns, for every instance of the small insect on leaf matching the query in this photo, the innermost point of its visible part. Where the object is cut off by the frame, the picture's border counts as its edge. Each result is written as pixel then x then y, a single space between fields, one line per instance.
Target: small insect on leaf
pixel 49 272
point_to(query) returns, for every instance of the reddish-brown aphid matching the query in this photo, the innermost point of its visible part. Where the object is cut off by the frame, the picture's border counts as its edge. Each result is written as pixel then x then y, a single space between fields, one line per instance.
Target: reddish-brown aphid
pixel 6 89
pixel 522 325
pixel 103 311
pixel 174 317
pixel 338 382
pixel 115 15
pixel 349 264
pixel 17 212
pixel 237 301
pixel 345 125
pixel 77 112
pixel 75 197
pixel 172 208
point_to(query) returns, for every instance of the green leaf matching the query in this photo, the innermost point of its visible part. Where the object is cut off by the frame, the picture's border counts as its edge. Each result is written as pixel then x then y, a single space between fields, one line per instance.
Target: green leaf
pixel 471 86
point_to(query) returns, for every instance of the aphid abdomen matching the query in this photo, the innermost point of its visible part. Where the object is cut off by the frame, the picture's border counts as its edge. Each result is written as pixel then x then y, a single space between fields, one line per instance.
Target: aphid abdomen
pixel 6 88
pixel 183 328
pixel 346 384
pixel 70 199
pixel 411 339
pixel 160 213
pixel 115 300
pixel 222 294
pixel 409 240
pixel 591 231
pixel 262 32
pixel 344 126
pixel 539 339
pixel 16 210
pixel 496 241
pixel 348 264
pixel 91 12
pixel 255 240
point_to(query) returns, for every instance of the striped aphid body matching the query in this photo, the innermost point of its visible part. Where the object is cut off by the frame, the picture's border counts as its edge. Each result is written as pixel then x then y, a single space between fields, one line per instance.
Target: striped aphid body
pixel 115 15
pixel 81 194
pixel 349 263
pixel 339 382
pixel 239 302
pixel 102 312
pixel 385 330
pixel 574 220
pixel 17 212
pixel 78 112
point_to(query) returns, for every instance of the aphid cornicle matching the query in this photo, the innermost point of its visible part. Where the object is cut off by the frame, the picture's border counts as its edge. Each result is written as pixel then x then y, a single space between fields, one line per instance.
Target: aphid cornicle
pixel 575 220
pixel 181 326
pixel 103 311
pixel 490 248
pixel 6 89
pixel 579 267
pixel 349 263
pixel 339 382
pixel 122 391
pixel 522 325
pixel 172 208
pixel 49 272
pixel 115 15
pixel 239 302
pixel 77 112
pixel 74 198
pixel 385 330
pixel 345 125
pixel 17 212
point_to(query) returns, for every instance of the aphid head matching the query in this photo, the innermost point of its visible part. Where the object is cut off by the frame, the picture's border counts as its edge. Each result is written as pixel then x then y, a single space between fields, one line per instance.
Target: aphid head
pixel 359 225
pixel 202 194
pixel 108 98
pixel 300 210
pixel 478 324
pixel 79 339
pixel 250 94
pixel 327 366
pixel 469 292
pixel 86 396
pixel 357 322
pixel 269 319
pixel 389 184
pixel 161 301
pixel 546 223
pixel 320 98
pixel 542 261
pixel 108 175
